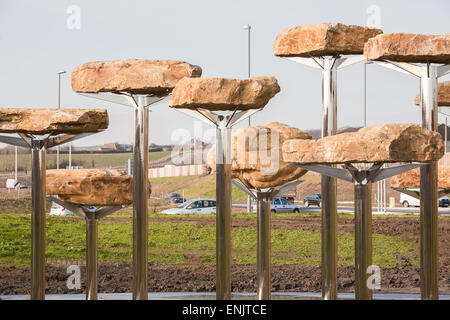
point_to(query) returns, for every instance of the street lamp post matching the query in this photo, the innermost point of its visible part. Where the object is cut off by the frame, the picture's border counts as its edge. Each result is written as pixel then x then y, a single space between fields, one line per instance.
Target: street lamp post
pixel 59 107
pixel 248 28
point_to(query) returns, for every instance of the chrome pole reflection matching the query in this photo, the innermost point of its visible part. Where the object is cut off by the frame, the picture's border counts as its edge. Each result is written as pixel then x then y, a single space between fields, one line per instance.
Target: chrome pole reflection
pixel 264 284
pixel 223 211
pixel 140 205
pixel 328 184
pixel 38 153
pixel 429 191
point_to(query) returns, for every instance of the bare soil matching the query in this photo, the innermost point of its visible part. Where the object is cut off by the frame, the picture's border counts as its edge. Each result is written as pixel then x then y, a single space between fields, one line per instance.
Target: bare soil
pixel 403 278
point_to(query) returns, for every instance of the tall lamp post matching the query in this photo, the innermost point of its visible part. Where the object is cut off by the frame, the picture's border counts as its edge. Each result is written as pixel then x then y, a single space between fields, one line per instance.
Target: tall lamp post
pixel 248 28
pixel 59 107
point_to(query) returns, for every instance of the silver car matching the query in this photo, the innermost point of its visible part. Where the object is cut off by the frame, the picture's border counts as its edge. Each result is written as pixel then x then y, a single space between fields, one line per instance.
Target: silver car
pixel 281 205
pixel 195 206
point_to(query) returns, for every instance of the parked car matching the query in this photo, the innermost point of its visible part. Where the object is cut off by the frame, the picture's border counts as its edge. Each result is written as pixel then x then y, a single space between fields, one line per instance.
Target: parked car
pixel 195 206
pixel 281 205
pixel 407 201
pixel 175 198
pixel 444 201
pixel 57 210
pixel 313 199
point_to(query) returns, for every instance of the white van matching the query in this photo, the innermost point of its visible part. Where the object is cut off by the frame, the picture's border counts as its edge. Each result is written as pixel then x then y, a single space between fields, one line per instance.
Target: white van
pixel 408 201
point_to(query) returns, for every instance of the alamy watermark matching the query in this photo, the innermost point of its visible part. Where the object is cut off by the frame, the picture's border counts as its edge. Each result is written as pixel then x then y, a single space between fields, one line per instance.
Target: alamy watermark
pixel 374 16
pixel 74 280
pixel 74 19
pixel 374 280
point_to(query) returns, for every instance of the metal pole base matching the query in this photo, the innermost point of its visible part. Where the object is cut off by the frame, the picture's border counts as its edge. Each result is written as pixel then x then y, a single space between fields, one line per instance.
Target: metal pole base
pixel 363 239
pixel 223 213
pixel 38 153
pixel 428 232
pixel 329 238
pixel 91 256
pixel 264 283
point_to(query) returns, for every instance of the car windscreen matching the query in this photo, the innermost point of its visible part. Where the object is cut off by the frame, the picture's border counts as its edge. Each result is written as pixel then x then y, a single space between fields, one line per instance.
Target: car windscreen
pixel 184 204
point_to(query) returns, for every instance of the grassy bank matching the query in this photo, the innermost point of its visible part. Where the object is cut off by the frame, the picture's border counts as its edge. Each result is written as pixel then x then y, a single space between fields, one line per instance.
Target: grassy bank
pixel 89 160
pixel 184 242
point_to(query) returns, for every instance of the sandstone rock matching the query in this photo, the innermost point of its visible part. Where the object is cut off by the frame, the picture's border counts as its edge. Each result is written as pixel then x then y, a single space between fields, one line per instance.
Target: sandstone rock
pixel 258 162
pixel 411 179
pixel 52 121
pixel 408 47
pixel 134 76
pixel 323 39
pixel 443 98
pixel 224 94
pixel 95 187
pixel 378 143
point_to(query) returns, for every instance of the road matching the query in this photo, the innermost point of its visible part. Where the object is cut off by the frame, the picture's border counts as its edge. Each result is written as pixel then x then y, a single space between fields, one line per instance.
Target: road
pixel 350 209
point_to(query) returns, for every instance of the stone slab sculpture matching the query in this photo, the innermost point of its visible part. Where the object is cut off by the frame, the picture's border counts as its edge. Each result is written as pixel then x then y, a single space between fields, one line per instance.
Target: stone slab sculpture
pixel 220 94
pixel 325 39
pixel 443 95
pixel 411 179
pixel 91 187
pixel 156 77
pixel 38 121
pixel 408 47
pixel 377 143
pixel 247 149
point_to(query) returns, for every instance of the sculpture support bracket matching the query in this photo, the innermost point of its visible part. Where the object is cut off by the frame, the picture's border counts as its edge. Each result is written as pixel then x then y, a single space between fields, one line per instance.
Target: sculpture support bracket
pixel 223 124
pixel 140 103
pixel 38 146
pixel 263 228
pixel 362 180
pixel 91 216
pixel 428 75
pixel 329 65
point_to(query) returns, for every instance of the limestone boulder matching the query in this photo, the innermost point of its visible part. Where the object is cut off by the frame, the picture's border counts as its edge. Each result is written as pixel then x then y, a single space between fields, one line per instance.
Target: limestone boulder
pixel 411 179
pixel 52 121
pixel 377 143
pixel 409 47
pixel 443 98
pixel 156 77
pixel 257 161
pixel 224 94
pixel 95 187
pixel 322 40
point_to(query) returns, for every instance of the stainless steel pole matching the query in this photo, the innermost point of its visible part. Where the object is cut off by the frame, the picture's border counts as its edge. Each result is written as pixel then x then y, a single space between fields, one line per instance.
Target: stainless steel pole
pixel 70 156
pixel 140 206
pixel 264 284
pixel 223 211
pixel 59 106
pixel 328 186
pixel 446 135
pixel 428 191
pixel 363 239
pixel 15 164
pixel 38 220
pixel 91 256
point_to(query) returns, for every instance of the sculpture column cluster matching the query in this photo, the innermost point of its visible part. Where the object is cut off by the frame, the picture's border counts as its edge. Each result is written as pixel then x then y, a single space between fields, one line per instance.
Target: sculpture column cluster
pixel 223 103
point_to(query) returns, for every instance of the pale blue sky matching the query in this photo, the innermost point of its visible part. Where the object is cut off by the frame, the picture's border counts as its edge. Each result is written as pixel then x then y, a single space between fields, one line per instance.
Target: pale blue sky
pixel 35 43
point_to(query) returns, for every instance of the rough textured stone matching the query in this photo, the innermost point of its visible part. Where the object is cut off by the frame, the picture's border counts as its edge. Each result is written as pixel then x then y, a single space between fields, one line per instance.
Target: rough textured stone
pixel 134 76
pixel 322 40
pixel 224 94
pixel 411 179
pixel 254 170
pixel 408 47
pixel 443 98
pixel 378 143
pixel 52 121
pixel 95 187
